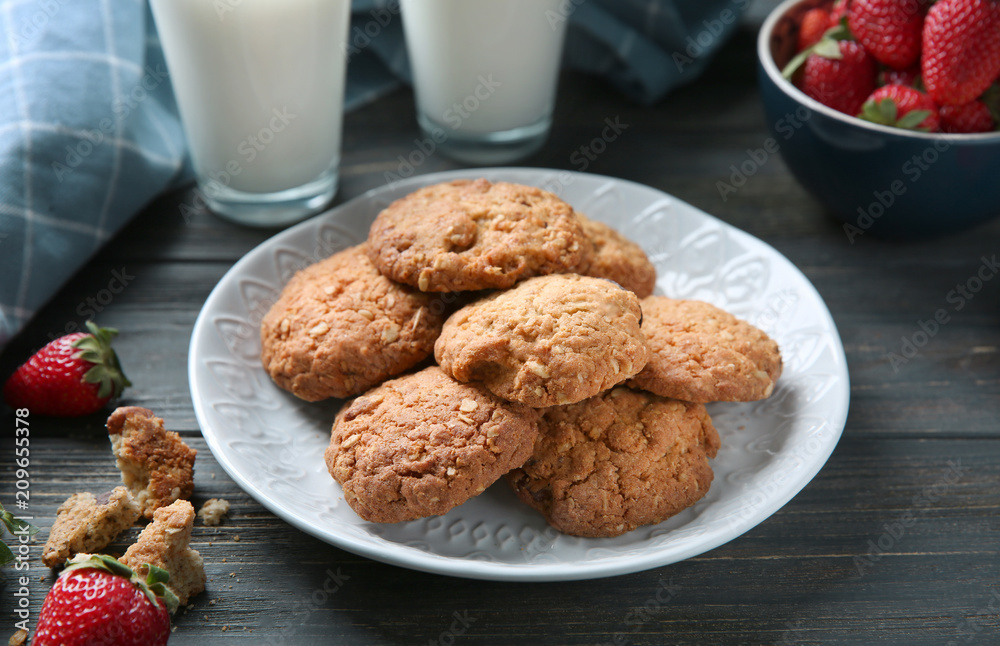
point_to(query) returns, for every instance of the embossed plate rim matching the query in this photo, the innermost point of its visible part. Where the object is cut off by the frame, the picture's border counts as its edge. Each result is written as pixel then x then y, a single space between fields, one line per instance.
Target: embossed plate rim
pixel 373 546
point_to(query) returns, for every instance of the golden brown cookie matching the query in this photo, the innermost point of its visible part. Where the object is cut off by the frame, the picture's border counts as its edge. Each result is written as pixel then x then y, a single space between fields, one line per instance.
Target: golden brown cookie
pixel 88 524
pixel 700 353
pixel 165 544
pixel 340 328
pixel 469 235
pixel 617 258
pixel 156 465
pixel 625 458
pixel 549 340
pixel 421 444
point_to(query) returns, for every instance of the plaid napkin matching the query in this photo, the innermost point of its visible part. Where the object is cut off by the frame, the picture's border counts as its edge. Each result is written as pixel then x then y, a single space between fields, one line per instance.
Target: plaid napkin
pixel 89 132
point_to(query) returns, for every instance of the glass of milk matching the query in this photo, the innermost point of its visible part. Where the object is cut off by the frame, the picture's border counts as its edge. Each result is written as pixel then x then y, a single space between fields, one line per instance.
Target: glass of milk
pixel 260 87
pixel 484 74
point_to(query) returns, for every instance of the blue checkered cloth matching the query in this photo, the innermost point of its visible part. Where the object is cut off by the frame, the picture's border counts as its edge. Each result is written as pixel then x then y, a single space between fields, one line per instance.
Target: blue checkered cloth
pixel 89 133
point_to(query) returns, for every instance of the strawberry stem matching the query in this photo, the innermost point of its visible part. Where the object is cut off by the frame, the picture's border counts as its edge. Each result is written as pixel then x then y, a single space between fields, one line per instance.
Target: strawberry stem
pixel 154 586
pixel 107 370
pixel 886 112
pixel 14 526
pixel 828 47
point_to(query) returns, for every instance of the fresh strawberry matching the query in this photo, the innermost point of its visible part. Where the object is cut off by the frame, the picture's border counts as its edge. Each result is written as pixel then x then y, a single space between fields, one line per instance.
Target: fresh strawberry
pixel 97 601
pixel 889 29
pixel 910 76
pixel 902 107
pixel 814 24
pixel 842 82
pixel 839 12
pixel 970 117
pixel 76 374
pixel 961 42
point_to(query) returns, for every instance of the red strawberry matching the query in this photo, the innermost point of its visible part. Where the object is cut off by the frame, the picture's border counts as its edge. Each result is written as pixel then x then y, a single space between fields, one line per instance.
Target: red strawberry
pixel 902 107
pixel 814 24
pixel 961 42
pixel 889 29
pixel 74 375
pixel 841 83
pixel 840 9
pixel 97 601
pixel 909 76
pixel 970 117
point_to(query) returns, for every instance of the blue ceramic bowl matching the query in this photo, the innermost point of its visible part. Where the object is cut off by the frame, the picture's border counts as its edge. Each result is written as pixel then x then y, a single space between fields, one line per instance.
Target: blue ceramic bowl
pixel 879 180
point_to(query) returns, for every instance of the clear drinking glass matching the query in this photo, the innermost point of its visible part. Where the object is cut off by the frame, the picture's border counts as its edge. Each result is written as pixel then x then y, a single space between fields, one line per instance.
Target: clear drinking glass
pixel 260 87
pixel 484 74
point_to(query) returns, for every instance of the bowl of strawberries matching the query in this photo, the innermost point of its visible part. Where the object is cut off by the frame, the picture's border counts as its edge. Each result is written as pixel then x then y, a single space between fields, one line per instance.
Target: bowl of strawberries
pixel 888 111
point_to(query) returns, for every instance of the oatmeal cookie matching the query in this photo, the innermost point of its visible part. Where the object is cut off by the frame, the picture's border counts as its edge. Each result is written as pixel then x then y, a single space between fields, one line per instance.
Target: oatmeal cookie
pixel 470 235
pixel 700 353
pixel 421 444
pixel 88 524
pixel 617 258
pixel 339 328
pixel 156 465
pixel 625 458
pixel 550 340
pixel 165 543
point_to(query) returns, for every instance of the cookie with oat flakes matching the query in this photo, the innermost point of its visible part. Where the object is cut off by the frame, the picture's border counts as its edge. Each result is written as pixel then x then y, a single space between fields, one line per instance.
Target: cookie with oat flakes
pixel 339 328
pixel 165 543
pixel 87 524
pixel 617 258
pixel 156 465
pixel 614 462
pixel 700 353
pixel 549 340
pixel 424 443
pixel 469 235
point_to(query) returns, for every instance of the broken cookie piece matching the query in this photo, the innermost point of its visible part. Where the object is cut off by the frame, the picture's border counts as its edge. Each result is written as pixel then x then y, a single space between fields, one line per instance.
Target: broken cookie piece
pixel 213 510
pixel 156 465
pixel 85 523
pixel 165 544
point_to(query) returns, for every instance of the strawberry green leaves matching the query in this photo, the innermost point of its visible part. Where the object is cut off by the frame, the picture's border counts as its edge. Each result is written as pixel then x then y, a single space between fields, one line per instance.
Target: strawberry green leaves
pixel 16 527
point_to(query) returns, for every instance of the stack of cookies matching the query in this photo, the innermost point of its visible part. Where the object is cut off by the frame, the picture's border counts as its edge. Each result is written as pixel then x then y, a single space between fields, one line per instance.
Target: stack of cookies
pixel 555 364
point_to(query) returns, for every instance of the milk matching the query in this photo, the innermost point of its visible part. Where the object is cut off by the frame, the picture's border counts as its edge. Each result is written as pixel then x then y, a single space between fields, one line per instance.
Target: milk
pixel 260 87
pixel 484 66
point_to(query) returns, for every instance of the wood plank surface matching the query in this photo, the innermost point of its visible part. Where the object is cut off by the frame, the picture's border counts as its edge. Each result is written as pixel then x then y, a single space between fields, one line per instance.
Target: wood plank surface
pixel 922 442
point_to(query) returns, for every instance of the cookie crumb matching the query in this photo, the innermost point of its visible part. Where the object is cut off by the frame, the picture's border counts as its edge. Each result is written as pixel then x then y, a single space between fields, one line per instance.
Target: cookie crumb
pixel 88 524
pixel 156 465
pixel 165 543
pixel 19 638
pixel 212 512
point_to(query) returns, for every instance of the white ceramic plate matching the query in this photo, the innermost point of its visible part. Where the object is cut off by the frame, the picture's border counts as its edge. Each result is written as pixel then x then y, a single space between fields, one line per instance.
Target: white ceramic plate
pixel 272 443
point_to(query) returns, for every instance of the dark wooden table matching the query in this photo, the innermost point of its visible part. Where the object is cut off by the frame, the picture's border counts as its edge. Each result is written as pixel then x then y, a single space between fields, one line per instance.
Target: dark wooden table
pixel 923 439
